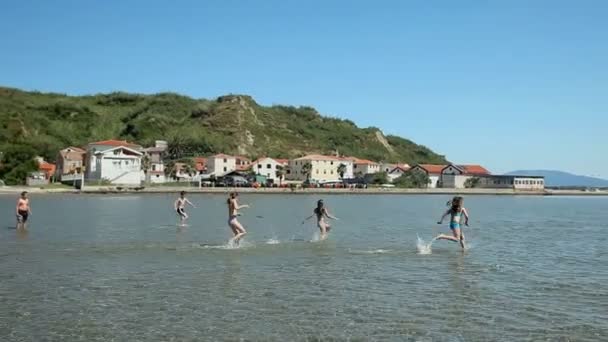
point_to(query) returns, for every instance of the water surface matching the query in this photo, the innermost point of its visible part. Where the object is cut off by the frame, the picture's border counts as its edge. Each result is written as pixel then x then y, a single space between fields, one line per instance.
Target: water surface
pixel 102 268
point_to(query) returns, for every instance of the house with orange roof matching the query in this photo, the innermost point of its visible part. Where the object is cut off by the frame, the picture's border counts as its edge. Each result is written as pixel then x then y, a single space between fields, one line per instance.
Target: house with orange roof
pixel 322 168
pixel 116 161
pixel 433 171
pixel 268 167
pixel 397 171
pixel 242 163
pixel 455 176
pixel 365 167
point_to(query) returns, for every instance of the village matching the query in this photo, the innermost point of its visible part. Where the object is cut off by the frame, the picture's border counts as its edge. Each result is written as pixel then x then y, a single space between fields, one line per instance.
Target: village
pixel 121 163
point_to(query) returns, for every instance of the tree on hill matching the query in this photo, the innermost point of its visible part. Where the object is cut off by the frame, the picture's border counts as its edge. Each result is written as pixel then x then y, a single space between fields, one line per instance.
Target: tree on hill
pixel 16 163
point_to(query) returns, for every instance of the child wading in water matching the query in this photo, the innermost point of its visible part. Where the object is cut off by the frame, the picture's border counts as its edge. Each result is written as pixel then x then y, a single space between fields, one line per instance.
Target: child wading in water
pixel 233 212
pixel 456 212
pixel 321 213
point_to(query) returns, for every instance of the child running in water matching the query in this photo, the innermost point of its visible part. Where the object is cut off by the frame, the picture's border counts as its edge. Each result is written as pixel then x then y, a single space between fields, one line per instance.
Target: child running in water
pixel 180 206
pixel 456 212
pixel 321 213
pixel 233 223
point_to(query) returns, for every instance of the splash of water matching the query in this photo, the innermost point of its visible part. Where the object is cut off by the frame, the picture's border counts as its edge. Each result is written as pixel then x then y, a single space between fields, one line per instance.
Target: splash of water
pixel 273 241
pixel 316 236
pixel 423 247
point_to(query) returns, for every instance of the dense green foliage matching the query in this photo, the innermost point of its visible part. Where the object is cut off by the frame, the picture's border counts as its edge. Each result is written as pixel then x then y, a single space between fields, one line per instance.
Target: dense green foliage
pixel 412 179
pixel 234 124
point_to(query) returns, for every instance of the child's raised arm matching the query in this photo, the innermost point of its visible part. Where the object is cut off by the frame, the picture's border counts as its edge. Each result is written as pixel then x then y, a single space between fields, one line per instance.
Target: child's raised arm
pixel 466 216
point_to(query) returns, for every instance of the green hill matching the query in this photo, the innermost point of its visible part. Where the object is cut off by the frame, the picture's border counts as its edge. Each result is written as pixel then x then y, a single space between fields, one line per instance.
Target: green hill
pixel 42 123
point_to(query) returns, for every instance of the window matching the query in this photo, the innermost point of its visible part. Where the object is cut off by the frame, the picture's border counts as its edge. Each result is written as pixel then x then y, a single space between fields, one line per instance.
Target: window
pixel 331 163
pixel 355 166
pixel 153 167
pixel 317 171
pixel 331 172
pixel 324 172
pixel 288 171
pixel 268 166
pixel 259 166
pixel 225 169
pixel 225 160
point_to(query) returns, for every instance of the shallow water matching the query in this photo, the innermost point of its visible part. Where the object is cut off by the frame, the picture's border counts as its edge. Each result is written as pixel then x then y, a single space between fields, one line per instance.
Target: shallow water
pixel 103 268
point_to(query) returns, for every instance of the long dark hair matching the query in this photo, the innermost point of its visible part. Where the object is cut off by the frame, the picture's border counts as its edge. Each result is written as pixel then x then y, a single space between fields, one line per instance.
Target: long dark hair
pixel 233 195
pixel 456 204
pixel 320 207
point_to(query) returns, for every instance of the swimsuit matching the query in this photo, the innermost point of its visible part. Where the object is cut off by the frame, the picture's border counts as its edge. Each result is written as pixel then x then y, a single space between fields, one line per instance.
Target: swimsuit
pixel 180 212
pixel 24 214
pixel 455 222
pixel 231 219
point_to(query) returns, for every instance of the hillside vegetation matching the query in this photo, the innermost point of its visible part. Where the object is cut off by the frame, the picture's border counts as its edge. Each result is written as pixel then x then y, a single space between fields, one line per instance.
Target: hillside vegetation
pixel 42 123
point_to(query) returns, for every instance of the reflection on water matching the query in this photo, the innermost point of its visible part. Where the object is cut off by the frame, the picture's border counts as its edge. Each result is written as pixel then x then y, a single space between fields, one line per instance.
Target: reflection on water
pixel 121 269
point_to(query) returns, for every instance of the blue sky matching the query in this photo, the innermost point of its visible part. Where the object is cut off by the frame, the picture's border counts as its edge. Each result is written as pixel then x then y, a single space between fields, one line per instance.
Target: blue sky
pixel 507 84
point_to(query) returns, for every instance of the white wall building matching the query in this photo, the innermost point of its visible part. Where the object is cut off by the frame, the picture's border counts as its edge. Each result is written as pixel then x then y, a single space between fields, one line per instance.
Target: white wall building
pixel 432 170
pixel 323 168
pixel 116 164
pixel 397 172
pixel 268 167
pixel 456 176
pixel 221 164
pixel 365 167
pixel 349 172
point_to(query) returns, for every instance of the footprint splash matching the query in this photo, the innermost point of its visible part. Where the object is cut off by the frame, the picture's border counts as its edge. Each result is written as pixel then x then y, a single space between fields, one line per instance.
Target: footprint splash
pixel 423 247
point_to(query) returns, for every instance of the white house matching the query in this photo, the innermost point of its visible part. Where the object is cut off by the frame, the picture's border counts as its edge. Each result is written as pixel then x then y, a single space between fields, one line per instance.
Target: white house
pixel 397 171
pixel 221 164
pixel 322 168
pixel 110 160
pixel 432 170
pixel 456 176
pixel 349 173
pixel 365 167
pixel 268 167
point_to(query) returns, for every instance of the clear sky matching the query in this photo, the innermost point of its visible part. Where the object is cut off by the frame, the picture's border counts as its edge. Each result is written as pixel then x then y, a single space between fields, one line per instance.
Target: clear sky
pixel 511 85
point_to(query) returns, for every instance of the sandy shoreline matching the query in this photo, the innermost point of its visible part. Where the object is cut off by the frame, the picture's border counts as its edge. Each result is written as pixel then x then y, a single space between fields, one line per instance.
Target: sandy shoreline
pixel 286 191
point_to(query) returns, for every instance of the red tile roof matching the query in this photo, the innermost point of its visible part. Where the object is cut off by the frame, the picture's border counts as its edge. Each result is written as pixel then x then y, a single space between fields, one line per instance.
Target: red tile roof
pixel 113 142
pixel 282 161
pixel 402 168
pixel 432 168
pixel 364 162
pixel 474 169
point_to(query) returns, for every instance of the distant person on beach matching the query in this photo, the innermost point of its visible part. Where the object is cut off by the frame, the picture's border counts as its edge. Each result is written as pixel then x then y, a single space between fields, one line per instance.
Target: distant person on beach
pixel 456 213
pixel 233 212
pixel 23 211
pixel 321 213
pixel 180 207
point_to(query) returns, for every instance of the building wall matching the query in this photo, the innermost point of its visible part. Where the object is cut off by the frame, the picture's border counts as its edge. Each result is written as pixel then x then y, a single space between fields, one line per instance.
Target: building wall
pixel 366 169
pixel 394 175
pixel 266 167
pixel 321 170
pixel 221 165
pixel 528 183
pixel 434 180
pixel 349 174
pixel 121 169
